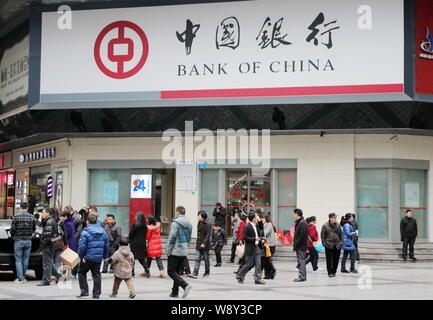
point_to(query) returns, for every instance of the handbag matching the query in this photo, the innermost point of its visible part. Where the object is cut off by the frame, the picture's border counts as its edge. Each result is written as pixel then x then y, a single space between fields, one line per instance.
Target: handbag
pixel 317 247
pixel 57 241
pixel 267 249
pixel 240 250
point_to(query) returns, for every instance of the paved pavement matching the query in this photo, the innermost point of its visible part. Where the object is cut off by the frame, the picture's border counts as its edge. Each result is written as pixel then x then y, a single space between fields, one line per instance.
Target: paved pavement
pixel 375 281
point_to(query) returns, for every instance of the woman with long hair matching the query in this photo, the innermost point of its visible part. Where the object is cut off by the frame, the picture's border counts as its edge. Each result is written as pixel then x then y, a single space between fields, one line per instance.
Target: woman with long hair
pixel 154 244
pixel 137 241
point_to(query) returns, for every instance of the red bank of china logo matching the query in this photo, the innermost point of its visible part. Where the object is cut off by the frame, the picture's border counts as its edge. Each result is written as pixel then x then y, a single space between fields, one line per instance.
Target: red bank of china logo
pixel 117 69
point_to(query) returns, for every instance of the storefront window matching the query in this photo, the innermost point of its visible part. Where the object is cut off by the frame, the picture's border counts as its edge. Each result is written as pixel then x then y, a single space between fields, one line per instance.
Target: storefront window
pixel 38 186
pixel 413 197
pixel 286 198
pixel 209 191
pixel 372 203
pixel 110 193
pixel 7 194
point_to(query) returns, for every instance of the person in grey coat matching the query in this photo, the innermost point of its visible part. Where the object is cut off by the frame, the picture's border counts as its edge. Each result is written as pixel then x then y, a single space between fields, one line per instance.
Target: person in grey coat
pixel 114 233
pixel 270 236
pixel 235 242
pixel 300 244
pixel 179 239
pixel 332 240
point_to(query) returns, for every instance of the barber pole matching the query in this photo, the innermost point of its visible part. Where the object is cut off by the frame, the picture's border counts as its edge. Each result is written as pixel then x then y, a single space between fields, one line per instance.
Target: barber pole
pixel 50 187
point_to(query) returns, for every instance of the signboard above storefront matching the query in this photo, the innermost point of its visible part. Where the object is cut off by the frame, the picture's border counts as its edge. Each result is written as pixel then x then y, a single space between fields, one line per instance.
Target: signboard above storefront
pixel 224 53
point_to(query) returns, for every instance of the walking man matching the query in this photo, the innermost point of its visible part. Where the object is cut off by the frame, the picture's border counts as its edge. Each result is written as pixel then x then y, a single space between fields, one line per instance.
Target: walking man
pixel 300 244
pixel 114 233
pixel 93 247
pixel 22 230
pixel 409 232
pixel 252 251
pixel 177 250
pixel 202 245
pixel 332 239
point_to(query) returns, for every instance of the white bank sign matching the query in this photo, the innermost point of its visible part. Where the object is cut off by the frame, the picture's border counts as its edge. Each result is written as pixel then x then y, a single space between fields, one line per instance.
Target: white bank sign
pixel 214 52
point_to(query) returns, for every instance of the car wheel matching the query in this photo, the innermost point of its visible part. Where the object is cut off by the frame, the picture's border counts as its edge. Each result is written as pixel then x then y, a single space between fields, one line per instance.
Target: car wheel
pixel 39 273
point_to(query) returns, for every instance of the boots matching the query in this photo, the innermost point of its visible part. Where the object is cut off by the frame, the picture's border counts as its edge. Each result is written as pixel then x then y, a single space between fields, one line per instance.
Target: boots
pixel 161 274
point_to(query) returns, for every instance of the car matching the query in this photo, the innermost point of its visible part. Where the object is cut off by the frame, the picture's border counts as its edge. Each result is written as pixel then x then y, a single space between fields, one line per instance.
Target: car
pixel 7 258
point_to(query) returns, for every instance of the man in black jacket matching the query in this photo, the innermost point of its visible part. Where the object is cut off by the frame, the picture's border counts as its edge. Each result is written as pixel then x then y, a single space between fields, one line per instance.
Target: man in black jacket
pixel 252 251
pixel 300 244
pixel 114 233
pixel 220 214
pixel 332 240
pixel 409 232
pixel 50 230
pixel 204 230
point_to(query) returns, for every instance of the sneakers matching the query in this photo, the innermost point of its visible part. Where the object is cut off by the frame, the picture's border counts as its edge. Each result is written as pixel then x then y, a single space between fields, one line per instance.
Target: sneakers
pixel 161 274
pixel 113 295
pixel 132 296
pixel 344 271
pixel 20 281
pixel 318 270
pixel 259 282
pixel 43 284
pixel 172 295
pixel 299 280
pixel 186 291
pixel 194 275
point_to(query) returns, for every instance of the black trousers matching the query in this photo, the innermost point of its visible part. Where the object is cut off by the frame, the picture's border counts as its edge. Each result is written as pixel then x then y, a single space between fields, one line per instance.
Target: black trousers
pixel 313 257
pixel 408 241
pixel 233 255
pixel 218 249
pixel 268 264
pixel 95 268
pixel 332 258
pixel 158 262
pixel 175 264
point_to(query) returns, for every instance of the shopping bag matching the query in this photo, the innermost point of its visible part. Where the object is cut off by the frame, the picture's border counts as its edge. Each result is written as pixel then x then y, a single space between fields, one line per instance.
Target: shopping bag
pixel 319 247
pixel 267 249
pixel 69 258
pixel 240 249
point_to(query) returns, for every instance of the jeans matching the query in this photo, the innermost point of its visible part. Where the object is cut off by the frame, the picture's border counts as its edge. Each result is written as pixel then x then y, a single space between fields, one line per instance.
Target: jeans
pixel 302 270
pixel 218 249
pixel 22 250
pixel 313 257
pixel 48 264
pixel 332 258
pixel 352 259
pixel 250 262
pixel 95 268
pixel 175 266
pixel 158 262
pixel 408 241
pixel 199 254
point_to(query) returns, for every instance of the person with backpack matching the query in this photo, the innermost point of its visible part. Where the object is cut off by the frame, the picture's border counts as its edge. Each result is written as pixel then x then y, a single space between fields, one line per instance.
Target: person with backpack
pixel 122 261
pixel 177 250
pixel 332 239
pixel 154 244
pixel 313 236
pixel 348 246
pixel 217 241
pixel 50 229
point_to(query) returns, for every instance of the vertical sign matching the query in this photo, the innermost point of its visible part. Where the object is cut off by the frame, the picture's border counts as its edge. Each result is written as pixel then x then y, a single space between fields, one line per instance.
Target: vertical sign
pixel 141 196
pixel 186 175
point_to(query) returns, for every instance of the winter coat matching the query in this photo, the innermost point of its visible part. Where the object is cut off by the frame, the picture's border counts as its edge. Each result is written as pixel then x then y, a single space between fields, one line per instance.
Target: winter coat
pixel 249 237
pixel 137 240
pixel 204 230
pixel 93 245
pixel 220 217
pixel 217 238
pixel 114 233
pixel 301 235
pixel 332 236
pixel 179 236
pixel 348 237
pixel 312 234
pixel 123 262
pixel 270 234
pixel 70 233
pixel 49 231
pixel 154 244
pixel 235 224
pixel 240 233
pixel 408 228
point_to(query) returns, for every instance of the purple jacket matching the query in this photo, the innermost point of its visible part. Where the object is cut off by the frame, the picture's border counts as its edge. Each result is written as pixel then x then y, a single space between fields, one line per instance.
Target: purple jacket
pixel 70 231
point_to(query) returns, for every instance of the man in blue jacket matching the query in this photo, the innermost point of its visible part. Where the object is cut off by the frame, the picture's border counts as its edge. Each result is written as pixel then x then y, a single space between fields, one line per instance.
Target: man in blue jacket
pixel 93 247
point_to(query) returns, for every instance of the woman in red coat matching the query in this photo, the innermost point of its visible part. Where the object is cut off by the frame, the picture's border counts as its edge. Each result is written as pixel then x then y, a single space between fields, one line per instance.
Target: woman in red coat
pixel 154 244
pixel 313 236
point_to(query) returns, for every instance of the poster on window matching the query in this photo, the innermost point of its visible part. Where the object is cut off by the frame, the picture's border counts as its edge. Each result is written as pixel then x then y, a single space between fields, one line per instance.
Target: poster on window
pixel 141 186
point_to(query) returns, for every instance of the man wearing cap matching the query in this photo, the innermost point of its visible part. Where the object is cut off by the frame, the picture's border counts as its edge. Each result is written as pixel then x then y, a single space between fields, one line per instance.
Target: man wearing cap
pixel 332 236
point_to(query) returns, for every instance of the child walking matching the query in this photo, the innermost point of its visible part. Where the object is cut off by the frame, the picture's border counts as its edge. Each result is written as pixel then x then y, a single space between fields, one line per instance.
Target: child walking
pixel 123 263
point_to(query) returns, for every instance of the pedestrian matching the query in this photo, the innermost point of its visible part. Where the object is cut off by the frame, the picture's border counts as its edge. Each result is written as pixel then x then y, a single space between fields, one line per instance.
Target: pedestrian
pixel 217 241
pixel 356 238
pixel 177 250
pixel 114 233
pixel 409 232
pixel 60 222
pixel 31 204
pixel 50 229
pixel 240 235
pixel 348 245
pixel 220 214
pixel 123 262
pixel 252 250
pixel 94 211
pixel 300 244
pixel 204 230
pixel 154 250
pixel 79 227
pixel 69 225
pixel 76 216
pixel 270 235
pixel 137 241
pixel 235 239
pixel 92 249
pixel 22 229
pixel 332 239
pixel 313 236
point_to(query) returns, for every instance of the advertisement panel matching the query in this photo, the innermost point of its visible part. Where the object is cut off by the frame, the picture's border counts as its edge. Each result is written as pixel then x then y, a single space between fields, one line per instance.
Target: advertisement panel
pixel 270 48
